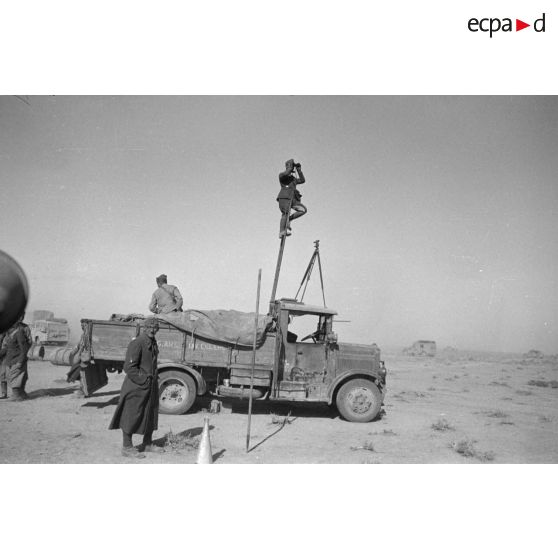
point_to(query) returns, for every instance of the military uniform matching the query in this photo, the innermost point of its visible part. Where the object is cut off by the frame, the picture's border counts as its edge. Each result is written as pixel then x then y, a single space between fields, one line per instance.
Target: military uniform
pixel 289 197
pixel 15 346
pixel 138 407
pixel 166 299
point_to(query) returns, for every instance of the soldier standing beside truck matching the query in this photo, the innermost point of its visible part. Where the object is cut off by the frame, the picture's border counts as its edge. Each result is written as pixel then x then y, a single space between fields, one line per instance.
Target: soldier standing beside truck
pixel 138 406
pixel 15 347
pixel 79 357
pixel 166 298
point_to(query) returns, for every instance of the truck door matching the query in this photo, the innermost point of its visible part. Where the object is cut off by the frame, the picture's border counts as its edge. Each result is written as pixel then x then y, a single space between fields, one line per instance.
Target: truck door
pixel 306 364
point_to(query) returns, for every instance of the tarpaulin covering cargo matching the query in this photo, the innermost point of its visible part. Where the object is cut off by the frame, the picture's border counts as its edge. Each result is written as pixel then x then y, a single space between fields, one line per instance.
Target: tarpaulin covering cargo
pixel 229 326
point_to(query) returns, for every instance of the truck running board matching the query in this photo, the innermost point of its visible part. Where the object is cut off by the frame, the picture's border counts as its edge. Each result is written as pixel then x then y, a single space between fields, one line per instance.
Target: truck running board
pixel 241 392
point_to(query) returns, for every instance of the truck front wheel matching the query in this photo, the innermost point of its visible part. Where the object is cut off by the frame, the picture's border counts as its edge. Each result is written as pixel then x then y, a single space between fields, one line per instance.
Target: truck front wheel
pixel 177 392
pixel 359 400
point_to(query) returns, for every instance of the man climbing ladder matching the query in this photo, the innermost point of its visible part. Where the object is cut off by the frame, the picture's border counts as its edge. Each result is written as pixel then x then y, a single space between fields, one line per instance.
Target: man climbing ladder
pixel 289 197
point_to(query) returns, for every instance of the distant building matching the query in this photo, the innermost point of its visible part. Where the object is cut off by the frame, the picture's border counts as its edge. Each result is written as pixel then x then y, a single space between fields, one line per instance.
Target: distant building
pixel 421 348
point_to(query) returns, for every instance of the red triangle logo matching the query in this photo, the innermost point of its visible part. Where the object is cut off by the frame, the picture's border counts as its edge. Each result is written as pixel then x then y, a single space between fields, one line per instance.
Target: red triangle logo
pixel 519 25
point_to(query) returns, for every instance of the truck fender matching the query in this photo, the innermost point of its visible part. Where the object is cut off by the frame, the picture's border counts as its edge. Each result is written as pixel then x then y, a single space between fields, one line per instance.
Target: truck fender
pixel 349 375
pixel 198 378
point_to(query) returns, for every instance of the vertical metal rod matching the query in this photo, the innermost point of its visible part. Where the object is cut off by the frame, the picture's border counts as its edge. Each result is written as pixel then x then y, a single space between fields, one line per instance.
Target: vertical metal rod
pixel 321 278
pixel 253 360
pixel 277 270
pixel 280 259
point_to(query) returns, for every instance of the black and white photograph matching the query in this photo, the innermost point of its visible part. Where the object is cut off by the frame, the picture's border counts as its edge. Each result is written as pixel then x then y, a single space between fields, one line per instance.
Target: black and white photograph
pixel 312 245
pixel 280 279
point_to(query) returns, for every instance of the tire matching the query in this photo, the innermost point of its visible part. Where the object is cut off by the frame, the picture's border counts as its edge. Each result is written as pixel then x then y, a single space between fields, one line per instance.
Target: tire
pixel 177 392
pixel 359 400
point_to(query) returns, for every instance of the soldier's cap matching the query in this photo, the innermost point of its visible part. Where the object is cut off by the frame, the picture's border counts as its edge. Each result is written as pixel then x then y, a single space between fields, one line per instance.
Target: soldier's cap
pixel 150 323
pixel 161 277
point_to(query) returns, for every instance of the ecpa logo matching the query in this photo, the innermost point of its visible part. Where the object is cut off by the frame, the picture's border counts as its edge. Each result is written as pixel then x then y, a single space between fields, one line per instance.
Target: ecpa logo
pixel 492 25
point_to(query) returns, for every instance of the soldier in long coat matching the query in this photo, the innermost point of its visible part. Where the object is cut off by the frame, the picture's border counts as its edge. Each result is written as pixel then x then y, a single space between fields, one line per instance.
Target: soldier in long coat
pixel 14 349
pixel 138 406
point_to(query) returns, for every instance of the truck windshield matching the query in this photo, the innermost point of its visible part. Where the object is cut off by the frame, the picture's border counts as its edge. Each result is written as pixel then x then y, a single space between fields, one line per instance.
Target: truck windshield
pixel 308 328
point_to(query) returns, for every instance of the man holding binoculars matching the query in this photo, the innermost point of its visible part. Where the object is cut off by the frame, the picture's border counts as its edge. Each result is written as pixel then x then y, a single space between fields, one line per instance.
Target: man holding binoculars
pixel 289 197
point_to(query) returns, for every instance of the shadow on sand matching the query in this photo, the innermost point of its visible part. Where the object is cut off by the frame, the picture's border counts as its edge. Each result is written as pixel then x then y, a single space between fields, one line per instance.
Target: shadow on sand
pixel 294 408
pixel 103 404
pixel 287 420
pixel 50 392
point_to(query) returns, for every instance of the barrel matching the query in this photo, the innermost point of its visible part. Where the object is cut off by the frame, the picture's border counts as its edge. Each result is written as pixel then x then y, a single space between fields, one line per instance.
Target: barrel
pixel 36 352
pixel 49 351
pixel 61 357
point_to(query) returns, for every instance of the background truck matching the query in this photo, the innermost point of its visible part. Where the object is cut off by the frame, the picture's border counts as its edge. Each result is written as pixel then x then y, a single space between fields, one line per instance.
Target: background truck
pixel 316 368
pixel 50 332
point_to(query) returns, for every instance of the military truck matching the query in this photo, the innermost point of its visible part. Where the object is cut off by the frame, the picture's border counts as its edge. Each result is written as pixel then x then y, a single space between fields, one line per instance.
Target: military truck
pixel 316 368
pixel 50 332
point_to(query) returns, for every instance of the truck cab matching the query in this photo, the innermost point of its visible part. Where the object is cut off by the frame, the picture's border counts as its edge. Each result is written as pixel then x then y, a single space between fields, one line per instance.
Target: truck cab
pixel 313 367
pixel 316 367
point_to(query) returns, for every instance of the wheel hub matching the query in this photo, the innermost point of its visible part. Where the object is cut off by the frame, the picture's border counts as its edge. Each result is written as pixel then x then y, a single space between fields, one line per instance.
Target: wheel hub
pixel 173 394
pixel 360 400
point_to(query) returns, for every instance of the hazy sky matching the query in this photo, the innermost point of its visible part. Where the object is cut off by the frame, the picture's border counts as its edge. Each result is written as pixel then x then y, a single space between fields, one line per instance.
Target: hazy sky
pixel 437 216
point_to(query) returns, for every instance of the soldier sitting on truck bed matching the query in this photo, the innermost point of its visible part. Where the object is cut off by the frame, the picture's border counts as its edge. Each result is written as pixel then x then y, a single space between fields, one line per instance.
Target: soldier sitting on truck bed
pixel 166 298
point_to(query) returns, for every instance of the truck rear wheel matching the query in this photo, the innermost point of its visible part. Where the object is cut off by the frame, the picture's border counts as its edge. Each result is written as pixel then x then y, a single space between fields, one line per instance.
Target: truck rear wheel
pixel 359 400
pixel 177 392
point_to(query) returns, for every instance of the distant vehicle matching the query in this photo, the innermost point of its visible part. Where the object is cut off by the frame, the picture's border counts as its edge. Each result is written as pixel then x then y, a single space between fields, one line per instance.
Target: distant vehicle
pixel 421 348
pixel 315 369
pixel 50 332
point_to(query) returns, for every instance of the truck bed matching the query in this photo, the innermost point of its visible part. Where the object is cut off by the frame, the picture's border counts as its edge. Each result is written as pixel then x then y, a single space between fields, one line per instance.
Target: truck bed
pixel 110 339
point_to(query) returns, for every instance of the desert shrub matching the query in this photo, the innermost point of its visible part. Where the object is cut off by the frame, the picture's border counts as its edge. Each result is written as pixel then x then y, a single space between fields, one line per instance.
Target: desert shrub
pixel 523 392
pixel 497 383
pixel 467 448
pixel 177 442
pixel 442 425
pixel 538 383
pixel 279 419
pixel 485 456
pixel 496 414
pixel 368 446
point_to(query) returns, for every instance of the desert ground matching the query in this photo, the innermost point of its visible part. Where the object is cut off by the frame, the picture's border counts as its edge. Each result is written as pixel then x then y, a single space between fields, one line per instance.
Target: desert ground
pixel 457 407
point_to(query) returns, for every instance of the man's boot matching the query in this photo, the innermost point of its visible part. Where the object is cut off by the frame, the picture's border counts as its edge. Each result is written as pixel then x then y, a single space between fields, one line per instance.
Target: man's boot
pixel 132 452
pixel 16 395
pixel 79 393
pixel 4 390
pixel 22 392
